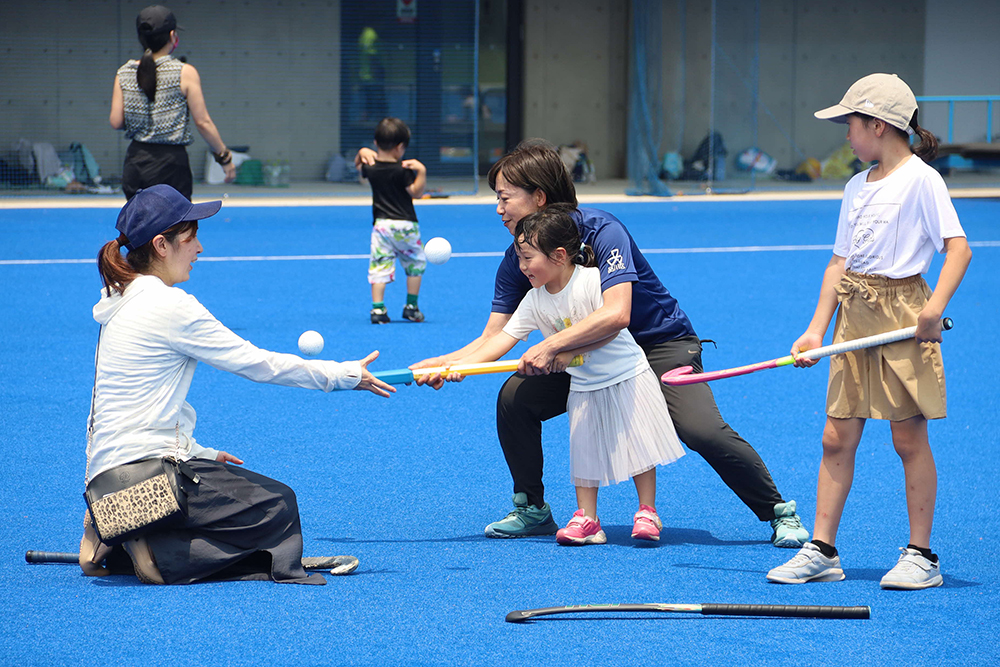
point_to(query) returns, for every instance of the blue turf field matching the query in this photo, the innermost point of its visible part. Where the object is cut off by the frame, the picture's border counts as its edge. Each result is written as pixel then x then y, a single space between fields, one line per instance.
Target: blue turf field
pixel 407 484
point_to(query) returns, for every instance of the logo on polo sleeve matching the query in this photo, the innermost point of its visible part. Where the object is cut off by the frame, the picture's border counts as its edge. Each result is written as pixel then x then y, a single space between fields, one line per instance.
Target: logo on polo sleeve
pixel 616 262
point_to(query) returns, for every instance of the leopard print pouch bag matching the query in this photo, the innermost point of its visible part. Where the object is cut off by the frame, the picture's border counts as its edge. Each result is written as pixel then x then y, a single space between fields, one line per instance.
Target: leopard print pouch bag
pixel 136 497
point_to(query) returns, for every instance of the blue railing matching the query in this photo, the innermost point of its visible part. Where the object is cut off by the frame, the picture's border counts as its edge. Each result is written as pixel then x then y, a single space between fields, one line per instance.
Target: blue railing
pixel 951 99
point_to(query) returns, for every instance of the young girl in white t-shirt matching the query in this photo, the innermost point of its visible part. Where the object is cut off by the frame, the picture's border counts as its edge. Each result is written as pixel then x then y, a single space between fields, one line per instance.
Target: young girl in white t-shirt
pixel 894 216
pixel 619 424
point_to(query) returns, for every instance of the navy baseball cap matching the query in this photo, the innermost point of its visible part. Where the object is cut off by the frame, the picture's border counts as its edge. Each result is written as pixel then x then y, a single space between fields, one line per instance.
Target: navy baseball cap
pixel 154 210
pixel 158 19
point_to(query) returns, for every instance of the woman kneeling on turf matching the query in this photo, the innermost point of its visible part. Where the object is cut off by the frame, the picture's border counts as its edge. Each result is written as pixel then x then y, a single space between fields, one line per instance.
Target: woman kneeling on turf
pixel 619 424
pixel 153 335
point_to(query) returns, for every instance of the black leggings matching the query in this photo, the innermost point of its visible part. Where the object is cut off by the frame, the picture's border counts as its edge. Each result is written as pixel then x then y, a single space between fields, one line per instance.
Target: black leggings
pixel 525 402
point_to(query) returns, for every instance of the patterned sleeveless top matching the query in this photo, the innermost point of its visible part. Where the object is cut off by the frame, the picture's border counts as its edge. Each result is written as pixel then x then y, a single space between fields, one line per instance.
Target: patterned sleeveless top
pixel 164 121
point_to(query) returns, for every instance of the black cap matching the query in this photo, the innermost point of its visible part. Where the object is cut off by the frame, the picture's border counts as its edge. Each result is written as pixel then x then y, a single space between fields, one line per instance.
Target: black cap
pixel 155 19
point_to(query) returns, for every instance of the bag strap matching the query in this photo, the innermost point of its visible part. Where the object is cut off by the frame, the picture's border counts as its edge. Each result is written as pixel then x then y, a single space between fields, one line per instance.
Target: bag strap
pixel 90 421
pixel 93 398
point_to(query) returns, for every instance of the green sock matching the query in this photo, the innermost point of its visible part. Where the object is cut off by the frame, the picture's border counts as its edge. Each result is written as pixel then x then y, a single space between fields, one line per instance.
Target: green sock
pixel 377 305
pixel 411 299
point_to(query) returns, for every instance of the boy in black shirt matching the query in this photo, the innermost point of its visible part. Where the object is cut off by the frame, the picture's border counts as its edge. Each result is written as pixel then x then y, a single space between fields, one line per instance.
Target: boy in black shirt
pixel 395 233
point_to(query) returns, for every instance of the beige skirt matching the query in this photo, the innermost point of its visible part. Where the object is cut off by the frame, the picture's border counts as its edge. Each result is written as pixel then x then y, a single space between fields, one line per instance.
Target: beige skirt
pixel 895 381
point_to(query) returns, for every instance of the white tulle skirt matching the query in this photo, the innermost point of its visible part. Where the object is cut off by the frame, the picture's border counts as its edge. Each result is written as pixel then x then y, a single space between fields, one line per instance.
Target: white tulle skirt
pixel 620 431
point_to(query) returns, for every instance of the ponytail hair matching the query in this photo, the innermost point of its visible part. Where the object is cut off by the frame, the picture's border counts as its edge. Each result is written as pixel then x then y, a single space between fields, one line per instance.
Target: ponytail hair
pixel 551 228
pixel 926 149
pixel 145 75
pixel 118 271
pixel 151 41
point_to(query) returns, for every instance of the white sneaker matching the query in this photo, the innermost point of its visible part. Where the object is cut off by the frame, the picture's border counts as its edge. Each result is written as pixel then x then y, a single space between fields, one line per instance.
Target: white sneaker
pixel 809 564
pixel 912 572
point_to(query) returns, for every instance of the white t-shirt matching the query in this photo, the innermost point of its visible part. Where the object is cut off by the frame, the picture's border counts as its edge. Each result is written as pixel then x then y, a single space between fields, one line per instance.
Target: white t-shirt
pixel 152 340
pixel 893 226
pixel 615 362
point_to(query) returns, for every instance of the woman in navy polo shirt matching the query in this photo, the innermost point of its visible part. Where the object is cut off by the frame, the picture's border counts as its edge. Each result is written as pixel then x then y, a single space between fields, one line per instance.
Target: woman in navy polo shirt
pixel 526 180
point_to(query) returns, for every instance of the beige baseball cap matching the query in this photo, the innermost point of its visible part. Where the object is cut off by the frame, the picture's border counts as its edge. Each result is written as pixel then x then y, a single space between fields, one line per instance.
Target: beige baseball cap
pixel 883 96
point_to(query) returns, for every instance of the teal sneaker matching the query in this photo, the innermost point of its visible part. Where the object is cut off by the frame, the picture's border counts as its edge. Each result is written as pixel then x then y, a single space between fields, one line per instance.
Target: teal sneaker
pixel 789 532
pixel 526 520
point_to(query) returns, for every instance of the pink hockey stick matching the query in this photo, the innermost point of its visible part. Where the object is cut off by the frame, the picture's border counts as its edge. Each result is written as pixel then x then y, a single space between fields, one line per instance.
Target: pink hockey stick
pixel 683 375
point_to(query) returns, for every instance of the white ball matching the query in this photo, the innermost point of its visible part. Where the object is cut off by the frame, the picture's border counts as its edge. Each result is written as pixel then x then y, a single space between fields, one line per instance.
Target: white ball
pixel 437 250
pixel 310 343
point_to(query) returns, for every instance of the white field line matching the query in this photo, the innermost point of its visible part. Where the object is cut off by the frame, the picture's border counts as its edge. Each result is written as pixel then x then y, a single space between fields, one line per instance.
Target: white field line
pixel 648 251
pixel 238 199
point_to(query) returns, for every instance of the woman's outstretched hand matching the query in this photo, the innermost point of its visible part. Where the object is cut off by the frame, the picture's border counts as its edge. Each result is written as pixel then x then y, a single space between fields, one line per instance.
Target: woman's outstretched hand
pixel 226 457
pixel 371 383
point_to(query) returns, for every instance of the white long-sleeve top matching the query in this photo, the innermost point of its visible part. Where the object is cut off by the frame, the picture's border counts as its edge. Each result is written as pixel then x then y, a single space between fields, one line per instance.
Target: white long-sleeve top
pixel 152 339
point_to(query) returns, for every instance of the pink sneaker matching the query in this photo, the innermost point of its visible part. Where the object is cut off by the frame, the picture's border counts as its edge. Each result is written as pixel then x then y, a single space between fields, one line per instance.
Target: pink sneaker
pixel 647 524
pixel 581 530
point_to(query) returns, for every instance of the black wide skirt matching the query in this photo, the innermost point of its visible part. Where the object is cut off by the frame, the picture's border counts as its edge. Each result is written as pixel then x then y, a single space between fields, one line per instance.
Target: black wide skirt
pixel 240 525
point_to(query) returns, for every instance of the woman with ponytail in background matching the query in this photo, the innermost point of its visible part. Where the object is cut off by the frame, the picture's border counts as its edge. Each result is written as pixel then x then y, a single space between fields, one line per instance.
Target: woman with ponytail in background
pixel 152 100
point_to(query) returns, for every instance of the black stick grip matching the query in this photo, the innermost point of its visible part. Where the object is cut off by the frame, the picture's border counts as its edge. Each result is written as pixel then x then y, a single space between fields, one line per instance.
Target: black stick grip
pixel 51 557
pixel 792 610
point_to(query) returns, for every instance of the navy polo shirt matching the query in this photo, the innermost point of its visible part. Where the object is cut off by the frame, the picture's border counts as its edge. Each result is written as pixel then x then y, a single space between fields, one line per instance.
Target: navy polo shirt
pixel 655 318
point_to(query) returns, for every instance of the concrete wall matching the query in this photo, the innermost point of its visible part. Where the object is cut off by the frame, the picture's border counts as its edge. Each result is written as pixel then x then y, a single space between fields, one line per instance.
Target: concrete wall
pixel 809 54
pixel 576 77
pixel 834 46
pixel 270 72
pixel 962 57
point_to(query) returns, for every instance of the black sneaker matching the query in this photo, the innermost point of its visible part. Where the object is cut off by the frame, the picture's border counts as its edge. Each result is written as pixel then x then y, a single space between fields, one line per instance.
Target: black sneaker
pixel 412 313
pixel 379 316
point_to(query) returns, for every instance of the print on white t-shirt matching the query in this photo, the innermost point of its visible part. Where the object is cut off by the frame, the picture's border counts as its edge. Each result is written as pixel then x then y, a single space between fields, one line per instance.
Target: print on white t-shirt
pixel 618 360
pixel 874 233
pixel 893 226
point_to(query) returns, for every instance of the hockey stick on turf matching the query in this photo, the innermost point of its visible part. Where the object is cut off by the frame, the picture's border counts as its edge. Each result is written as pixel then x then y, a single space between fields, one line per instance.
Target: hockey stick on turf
pixel 406 376
pixel 683 375
pixel 334 564
pixel 51 557
pixel 782 610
